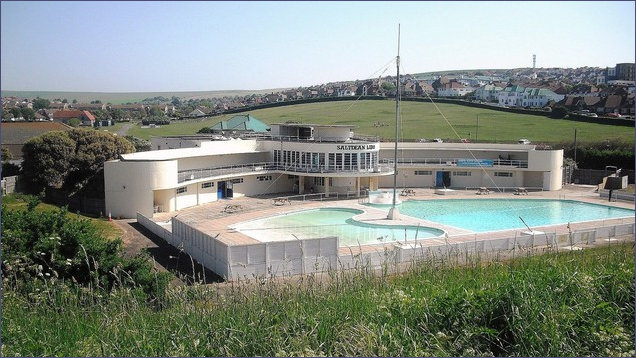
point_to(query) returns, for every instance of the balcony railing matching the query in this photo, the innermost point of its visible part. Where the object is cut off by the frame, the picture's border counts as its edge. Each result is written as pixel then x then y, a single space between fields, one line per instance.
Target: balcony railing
pixel 194 174
pixel 463 162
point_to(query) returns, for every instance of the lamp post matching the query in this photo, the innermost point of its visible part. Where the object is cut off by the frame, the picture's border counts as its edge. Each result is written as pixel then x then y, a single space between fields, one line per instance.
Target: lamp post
pixel 477 129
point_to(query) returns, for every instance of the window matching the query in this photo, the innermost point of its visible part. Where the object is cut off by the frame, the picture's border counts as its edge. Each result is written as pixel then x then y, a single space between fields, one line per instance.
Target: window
pixel 207 185
pixel 264 177
pixel 423 172
pixel 332 161
pixel 461 174
pixel 319 181
pixel 503 174
pixel 237 181
pixel 181 190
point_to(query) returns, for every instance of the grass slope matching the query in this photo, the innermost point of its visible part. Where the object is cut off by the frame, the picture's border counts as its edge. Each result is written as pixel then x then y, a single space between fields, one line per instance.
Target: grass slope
pixel 420 120
pixel 567 304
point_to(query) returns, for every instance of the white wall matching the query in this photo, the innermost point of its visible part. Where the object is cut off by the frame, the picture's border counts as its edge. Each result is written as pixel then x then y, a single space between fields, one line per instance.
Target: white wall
pixel 207 195
pixel 128 186
pixel 187 199
pixel 548 161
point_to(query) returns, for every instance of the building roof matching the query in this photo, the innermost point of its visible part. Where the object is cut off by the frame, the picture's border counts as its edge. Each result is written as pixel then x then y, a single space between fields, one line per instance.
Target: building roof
pixel 68 114
pixel 233 146
pixel 15 134
pixel 242 123
pixel 89 115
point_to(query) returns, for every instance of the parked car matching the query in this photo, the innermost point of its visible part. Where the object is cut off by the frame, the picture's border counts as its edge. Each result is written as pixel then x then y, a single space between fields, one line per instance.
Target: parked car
pixel 614 115
pixel 524 141
pixel 437 140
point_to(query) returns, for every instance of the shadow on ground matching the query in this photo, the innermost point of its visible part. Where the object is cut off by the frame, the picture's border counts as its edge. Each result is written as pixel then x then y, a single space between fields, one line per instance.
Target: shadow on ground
pixel 177 262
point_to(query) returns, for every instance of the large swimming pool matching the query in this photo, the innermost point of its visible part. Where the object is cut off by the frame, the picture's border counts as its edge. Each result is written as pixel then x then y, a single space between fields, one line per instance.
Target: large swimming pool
pixel 481 215
pixel 325 222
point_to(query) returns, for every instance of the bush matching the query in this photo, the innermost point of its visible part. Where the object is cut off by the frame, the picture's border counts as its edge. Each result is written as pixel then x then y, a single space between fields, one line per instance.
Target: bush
pixel 49 247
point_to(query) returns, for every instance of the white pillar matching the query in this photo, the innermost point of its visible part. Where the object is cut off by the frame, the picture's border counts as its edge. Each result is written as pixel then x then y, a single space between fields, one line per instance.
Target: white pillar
pixel 326 187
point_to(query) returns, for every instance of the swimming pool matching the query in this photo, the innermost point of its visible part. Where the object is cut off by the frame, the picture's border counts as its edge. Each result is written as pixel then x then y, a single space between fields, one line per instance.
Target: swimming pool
pixel 325 222
pixel 482 215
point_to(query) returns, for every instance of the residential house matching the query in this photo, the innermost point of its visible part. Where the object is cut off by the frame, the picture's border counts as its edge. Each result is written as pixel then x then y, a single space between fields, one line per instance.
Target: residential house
pixel 453 89
pixel 487 93
pixel 86 118
pixel 518 96
pixel 424 88
pixel 201 111
pixel 88 106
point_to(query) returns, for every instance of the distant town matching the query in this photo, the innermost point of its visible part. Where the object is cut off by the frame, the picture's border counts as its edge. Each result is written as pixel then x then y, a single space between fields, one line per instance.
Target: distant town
pixel 591 91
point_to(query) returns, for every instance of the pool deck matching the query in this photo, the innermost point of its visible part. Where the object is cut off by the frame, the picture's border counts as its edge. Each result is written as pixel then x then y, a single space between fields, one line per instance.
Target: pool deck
pixel 218 217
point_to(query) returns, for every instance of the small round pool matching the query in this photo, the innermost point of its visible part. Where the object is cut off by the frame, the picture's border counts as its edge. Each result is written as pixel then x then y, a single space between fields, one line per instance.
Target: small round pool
pixel 326 222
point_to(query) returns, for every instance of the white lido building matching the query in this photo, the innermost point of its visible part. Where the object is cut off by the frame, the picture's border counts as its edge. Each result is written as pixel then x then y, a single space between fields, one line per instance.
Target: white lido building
pixel 186 171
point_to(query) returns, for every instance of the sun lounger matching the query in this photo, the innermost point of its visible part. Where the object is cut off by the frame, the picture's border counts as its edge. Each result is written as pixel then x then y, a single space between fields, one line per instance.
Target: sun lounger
pixel 483 191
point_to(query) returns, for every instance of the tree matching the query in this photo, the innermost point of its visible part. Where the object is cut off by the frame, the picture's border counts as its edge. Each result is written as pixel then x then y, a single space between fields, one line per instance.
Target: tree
pixel 387 86
pixel 15 112
pixel 27 113
pixel 71 159
pixel 6 114
pixel 65 100
pixel 92 149
pixel 156 112
pixel 117 113
pixel 558 112
pixel 6 154
pixel 74 122
pixel 41 103
pixel 46 160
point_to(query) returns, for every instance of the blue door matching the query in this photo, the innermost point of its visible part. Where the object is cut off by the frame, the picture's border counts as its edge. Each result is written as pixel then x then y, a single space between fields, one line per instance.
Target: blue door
pixel 220 191
pixel 439 179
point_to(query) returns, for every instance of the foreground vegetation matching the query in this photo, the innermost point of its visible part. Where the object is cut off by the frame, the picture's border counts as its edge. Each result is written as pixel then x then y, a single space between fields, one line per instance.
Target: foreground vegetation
pixel 559 304
pixel 104 228
pixel 419 120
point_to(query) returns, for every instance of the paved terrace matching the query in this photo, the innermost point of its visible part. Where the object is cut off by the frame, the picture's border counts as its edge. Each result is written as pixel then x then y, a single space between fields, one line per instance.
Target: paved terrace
pixel 213 218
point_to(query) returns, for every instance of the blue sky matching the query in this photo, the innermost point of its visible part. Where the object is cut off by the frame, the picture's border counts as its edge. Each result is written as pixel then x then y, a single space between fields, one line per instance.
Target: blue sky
pixel 202 46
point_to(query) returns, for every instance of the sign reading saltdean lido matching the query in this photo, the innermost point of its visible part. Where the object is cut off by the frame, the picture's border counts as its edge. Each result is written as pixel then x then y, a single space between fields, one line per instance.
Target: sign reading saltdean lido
pixel 356 147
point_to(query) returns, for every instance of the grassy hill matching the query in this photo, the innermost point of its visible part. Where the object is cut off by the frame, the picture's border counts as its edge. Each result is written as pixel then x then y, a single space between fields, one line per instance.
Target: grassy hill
pixel 124 97
pixel 419 120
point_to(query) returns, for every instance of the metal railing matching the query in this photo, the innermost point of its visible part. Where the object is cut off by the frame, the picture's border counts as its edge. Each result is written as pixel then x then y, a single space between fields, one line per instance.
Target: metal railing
pixel 288 138
pixel 453 162
pixel 194 174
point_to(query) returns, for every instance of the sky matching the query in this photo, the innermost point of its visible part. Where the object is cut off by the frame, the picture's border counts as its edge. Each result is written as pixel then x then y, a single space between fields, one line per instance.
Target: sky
pixel 152 46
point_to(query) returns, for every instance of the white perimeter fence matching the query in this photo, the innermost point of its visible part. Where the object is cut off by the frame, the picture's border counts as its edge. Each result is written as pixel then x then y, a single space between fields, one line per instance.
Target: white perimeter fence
pixel 295 257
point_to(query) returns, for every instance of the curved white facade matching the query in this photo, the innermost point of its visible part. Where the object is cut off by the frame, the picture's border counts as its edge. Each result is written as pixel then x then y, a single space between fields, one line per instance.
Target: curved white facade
pixel 319 159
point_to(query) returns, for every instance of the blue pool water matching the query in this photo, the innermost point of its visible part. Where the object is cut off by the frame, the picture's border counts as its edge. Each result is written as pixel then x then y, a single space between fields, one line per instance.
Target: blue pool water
pixel 325 222
pixel 483 215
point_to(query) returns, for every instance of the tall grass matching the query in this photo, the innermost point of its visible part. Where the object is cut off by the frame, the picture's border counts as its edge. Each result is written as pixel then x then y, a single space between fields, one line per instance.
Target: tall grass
pixel 559 304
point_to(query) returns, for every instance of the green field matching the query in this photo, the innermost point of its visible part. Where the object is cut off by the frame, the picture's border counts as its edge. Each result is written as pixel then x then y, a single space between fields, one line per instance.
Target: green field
pixel 420 120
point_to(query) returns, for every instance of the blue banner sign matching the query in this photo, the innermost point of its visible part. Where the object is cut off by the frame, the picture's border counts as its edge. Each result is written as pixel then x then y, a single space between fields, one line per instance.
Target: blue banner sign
pixel 474 163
